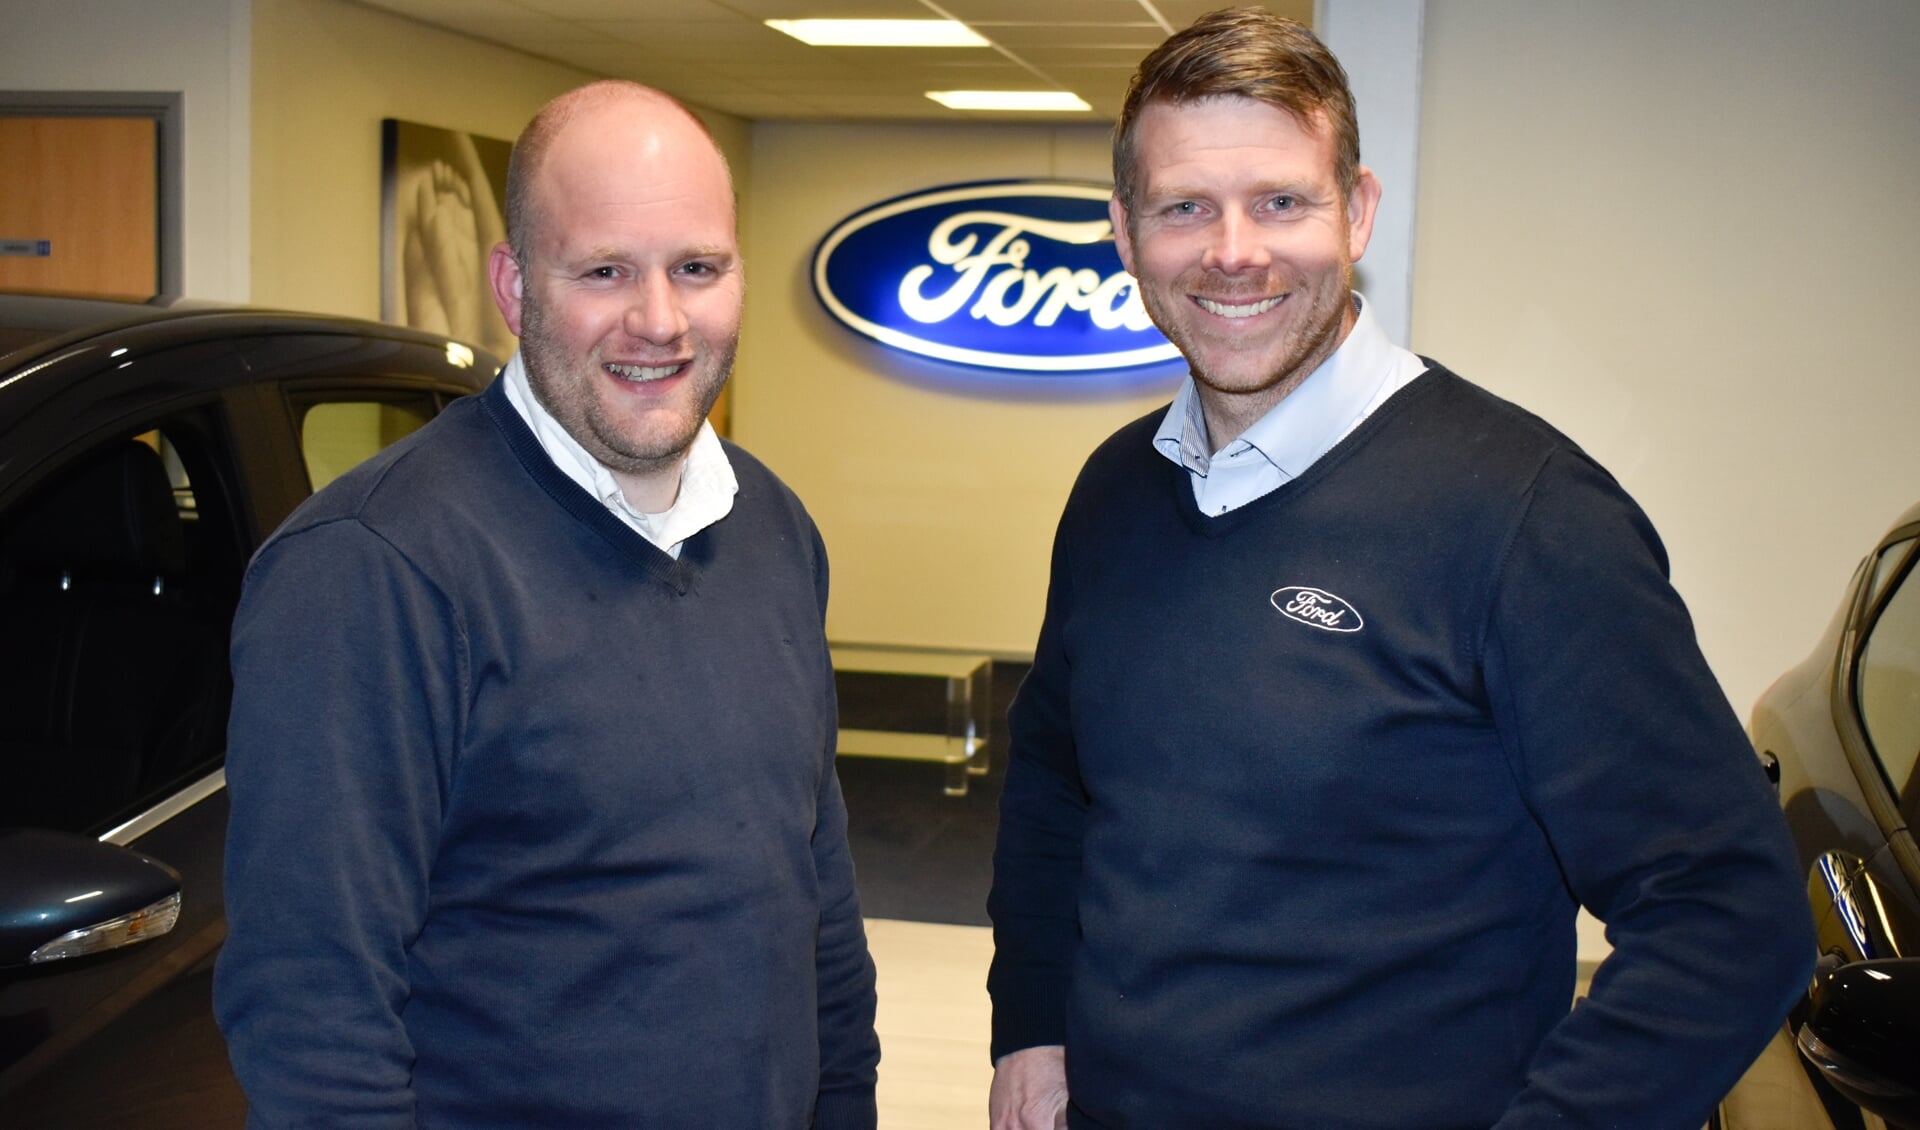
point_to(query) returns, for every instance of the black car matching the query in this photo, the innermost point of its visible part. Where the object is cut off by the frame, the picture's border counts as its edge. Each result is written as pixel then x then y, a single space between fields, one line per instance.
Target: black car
pixel 145 451
pixel 1842 734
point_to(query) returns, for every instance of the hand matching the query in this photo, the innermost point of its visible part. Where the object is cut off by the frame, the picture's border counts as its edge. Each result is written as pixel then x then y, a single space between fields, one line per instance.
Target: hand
pixel 1029 1090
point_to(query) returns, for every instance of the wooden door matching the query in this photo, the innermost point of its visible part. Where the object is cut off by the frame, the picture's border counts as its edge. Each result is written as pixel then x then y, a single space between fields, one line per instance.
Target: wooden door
pixel 80 209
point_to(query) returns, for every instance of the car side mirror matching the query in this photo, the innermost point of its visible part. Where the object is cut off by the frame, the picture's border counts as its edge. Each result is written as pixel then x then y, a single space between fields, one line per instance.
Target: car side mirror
pixel 63 895
pixel 1863 1035
pixel 1846 910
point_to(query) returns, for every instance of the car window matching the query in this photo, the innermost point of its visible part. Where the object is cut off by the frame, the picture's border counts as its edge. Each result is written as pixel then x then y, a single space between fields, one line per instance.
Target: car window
pixel 337 434
pixel 1888 683
pixel 119 573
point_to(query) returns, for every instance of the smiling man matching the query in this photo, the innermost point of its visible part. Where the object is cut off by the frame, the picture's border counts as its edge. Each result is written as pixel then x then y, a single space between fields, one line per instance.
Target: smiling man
pixel 535 821
pixel 1355 683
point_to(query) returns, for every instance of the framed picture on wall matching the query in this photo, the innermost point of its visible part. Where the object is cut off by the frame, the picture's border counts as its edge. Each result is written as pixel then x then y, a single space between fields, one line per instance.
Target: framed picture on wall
pixel 442 210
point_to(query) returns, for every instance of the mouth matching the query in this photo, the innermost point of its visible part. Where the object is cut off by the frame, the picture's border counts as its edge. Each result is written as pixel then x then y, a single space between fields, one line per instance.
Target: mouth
pixel 644 374
pixel 1238 309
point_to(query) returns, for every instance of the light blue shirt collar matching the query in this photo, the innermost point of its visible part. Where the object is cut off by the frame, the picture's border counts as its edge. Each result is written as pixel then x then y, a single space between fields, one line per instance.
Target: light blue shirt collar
pixel 1360 375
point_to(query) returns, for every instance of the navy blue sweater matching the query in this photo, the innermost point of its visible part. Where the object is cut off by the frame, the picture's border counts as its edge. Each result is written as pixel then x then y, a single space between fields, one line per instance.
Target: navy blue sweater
pixel 532 824
pixel 1303 798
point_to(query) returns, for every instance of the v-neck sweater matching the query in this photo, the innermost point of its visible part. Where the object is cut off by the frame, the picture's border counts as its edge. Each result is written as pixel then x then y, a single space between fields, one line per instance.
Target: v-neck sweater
pixel 1303 798
pixel 532 823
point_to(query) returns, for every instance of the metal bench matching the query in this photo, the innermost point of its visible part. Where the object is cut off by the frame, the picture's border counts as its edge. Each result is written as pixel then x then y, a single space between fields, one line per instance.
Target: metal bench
pixel 962 747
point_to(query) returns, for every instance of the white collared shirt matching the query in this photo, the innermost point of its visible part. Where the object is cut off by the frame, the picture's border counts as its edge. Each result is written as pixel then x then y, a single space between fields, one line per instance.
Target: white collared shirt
pixel 1359 377
pixel 707 482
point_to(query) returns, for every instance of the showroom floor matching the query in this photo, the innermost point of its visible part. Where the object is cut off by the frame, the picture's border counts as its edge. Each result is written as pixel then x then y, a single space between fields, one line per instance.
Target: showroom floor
pixel 924 861
pixel 932 1023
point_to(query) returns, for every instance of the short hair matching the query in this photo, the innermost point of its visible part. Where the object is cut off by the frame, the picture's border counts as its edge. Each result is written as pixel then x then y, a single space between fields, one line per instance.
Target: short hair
pixel 530 149
pixel 1251 53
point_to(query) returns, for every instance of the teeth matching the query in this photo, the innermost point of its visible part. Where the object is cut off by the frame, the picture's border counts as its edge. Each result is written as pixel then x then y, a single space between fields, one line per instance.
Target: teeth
pixel 642 372
pixel 1247 311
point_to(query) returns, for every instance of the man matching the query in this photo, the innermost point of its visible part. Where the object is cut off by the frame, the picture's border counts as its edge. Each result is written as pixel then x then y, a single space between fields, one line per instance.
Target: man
pixel 534 814
pixel 1354 683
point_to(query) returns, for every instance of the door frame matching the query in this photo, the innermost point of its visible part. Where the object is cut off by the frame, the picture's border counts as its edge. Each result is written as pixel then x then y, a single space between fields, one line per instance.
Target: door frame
pixel 164 108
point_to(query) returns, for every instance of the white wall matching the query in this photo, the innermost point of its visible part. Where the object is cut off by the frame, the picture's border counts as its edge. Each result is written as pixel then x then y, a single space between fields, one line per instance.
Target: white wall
pixel 198 47
pixel 1686 235
pixel 1379 44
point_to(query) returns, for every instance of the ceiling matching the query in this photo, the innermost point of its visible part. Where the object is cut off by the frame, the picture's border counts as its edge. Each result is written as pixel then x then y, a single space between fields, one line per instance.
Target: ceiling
pixel 718 54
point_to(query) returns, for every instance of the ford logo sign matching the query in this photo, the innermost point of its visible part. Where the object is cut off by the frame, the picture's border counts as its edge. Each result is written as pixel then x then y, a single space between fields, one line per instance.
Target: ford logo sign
pixel 1318 608
pixel 1010 275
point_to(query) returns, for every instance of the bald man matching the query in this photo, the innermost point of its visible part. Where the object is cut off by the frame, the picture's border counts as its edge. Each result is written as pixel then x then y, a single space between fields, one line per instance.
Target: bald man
pixel 534 818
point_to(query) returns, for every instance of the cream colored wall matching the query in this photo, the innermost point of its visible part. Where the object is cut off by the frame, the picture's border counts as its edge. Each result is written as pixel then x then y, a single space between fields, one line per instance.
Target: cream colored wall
pixel 325 73
pixel 1686 235
pixel 196 47
pixel 937 505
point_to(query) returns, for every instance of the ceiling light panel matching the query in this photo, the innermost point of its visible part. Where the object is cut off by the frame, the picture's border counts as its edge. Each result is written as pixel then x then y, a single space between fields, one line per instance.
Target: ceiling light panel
pixel 1057 101
pixel 739 41
pixel 880 33
pixel 758 10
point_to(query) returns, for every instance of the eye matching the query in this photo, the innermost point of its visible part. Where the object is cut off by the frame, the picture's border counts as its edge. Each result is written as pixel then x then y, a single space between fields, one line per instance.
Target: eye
pixel 604 273
pixel 1284 203
pixel 1185 208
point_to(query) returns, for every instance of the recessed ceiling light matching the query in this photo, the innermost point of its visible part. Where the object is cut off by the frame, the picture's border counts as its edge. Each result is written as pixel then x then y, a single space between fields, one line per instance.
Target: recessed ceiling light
pixel 880 33
pixel 1008 99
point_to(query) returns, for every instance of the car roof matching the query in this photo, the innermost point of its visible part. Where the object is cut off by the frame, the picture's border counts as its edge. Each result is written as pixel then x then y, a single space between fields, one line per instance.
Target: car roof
pixel 27 320
pixel 1910 518
pixel 94 356
pixel 36 330
pixel 35 324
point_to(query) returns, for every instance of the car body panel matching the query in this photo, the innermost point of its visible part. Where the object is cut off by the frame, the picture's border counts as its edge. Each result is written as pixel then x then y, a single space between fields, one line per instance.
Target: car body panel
pixel 1854 838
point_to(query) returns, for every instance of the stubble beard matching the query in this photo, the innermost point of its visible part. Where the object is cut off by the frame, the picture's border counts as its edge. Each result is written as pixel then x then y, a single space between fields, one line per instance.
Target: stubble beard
pixel 1309 341
pixel 564 383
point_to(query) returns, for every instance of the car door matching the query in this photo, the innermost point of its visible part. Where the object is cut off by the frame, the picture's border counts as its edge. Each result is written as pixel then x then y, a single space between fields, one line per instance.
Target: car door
pixel 120 564
pixel 1862 1031
pixel 112 731
pixel 1876 711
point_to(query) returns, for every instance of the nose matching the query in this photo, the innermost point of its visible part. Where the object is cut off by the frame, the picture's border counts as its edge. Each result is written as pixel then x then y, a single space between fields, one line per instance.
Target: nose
pixel 1235 244
pixel 654 312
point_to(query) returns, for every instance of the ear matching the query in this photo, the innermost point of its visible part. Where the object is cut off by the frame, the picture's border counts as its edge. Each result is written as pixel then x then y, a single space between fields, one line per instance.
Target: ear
pixel 1122 242
pixel 503 273
pixel 1362 202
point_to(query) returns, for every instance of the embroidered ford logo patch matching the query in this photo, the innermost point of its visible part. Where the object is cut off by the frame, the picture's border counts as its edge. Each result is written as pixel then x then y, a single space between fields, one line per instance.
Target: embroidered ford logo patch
pixel 1016 275
pixel 1317 608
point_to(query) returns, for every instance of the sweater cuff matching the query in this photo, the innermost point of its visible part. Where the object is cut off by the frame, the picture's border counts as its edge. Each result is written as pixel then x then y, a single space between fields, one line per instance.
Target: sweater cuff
pixel 846 1110
pixel 1028 1012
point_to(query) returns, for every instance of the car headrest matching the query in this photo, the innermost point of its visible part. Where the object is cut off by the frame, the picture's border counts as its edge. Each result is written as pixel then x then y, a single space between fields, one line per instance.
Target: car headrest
pixel 112 514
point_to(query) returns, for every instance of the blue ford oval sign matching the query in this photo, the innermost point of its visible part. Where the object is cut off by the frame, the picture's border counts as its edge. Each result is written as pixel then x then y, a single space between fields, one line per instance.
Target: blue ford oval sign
pixel 1009 275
